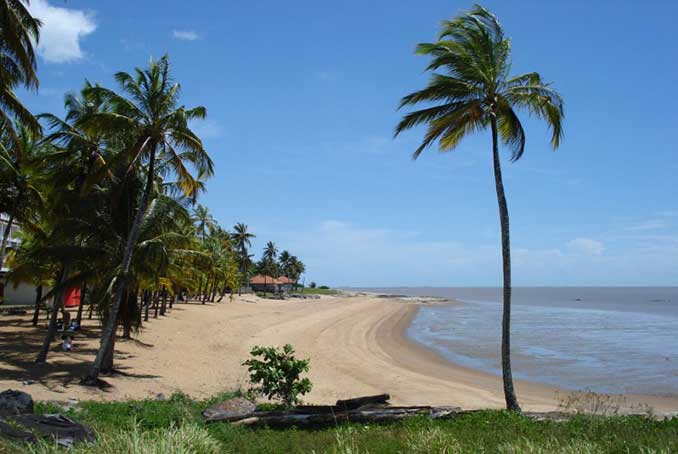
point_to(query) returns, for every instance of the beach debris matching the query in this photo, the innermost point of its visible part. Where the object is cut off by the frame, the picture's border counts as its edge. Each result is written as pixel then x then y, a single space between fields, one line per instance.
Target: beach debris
pixel 371 414
pixel 367 409
pixel 13 402
pixel 357 402
pixel 230 410
pixel 62 429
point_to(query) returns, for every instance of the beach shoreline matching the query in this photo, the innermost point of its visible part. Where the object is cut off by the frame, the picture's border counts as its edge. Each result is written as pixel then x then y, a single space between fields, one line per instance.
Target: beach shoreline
pixel 358 345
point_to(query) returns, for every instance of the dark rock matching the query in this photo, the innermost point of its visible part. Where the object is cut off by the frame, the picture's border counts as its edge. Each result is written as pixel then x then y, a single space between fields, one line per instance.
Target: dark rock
pixel 63 430
pixel 232 409
pixel 160 396
pixel 14 402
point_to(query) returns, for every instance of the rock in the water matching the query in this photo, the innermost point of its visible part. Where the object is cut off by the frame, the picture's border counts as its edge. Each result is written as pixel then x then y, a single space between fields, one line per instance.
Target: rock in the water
pixel 14 402
pixel 231 409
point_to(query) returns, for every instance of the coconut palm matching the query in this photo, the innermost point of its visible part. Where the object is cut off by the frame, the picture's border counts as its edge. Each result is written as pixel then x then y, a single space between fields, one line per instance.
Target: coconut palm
pixel 243 240
pixel 270 251
pixel 21 154
pixel 160 143
pixel 204 220
pixel 470 90
pixel 284 262
pixel 18 31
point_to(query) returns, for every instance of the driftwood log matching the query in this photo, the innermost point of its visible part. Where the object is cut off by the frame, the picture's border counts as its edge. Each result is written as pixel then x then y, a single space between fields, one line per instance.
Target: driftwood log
pixel 368 409
pixel 284 419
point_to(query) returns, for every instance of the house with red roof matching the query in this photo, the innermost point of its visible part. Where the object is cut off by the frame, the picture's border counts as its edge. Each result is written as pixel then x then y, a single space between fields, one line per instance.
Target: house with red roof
pixel 264 283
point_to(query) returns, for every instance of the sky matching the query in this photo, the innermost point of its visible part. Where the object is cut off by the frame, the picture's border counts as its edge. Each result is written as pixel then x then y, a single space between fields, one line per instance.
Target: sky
pixel 302 101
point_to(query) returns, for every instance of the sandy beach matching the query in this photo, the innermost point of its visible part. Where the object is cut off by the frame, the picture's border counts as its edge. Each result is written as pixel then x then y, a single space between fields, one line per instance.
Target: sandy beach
pixel 357 346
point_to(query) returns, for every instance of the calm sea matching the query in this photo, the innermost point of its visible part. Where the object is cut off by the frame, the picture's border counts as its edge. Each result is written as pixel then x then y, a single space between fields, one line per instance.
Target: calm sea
pixel 611 340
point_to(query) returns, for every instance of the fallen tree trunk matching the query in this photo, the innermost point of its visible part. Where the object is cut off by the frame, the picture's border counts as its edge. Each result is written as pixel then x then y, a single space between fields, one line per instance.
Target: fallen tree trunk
pixel 357 402
pixel 285 419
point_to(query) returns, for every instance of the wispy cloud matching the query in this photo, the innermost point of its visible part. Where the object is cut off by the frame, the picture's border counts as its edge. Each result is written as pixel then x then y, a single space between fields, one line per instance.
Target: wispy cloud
pixel 649 224
pixel 586 246
pixel 185 35
pixel 62 31
pixel 207 129
pixel 349 254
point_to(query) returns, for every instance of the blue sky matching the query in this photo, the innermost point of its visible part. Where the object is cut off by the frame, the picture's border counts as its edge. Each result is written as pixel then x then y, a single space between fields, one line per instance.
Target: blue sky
pixel 301 99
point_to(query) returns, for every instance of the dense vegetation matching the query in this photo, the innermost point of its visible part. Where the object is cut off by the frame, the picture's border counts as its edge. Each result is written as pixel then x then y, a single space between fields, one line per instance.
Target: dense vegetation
pixel 175 425
pixel 107 198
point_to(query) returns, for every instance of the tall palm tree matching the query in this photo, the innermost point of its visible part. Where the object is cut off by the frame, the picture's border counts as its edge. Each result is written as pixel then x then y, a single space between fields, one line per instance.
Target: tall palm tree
pixel 471 91
pixel 157 128
pixel 270 251
pixel 284 262
pixel 18 31
pixel 205 221
pixel 242 238
pixel 21 153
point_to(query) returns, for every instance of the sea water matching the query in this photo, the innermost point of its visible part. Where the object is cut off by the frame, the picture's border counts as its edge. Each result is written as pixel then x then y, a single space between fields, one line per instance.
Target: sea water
pixel 612 340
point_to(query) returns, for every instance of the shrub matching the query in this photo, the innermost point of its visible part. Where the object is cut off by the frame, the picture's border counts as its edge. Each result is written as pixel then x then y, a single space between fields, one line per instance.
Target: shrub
pixel 324 287
pixel 278 373
pixel 312 285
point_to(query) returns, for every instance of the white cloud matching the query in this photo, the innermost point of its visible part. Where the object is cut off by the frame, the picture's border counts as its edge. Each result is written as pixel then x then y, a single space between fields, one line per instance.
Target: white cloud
pixel 586 246
pixel 185 35
pixel 208 129
pixel 650 224
pixel 62 30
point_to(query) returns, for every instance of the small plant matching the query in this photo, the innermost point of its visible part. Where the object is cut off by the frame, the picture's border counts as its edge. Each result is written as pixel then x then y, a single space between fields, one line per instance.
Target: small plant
pixel 278 373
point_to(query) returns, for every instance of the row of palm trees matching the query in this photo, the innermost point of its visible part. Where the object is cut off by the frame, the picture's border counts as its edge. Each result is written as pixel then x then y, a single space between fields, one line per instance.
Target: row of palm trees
pixel 104 201
pixel 104 195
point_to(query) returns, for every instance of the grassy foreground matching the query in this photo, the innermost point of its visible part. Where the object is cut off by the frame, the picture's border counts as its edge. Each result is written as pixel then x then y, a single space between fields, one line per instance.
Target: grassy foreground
pixel 175 426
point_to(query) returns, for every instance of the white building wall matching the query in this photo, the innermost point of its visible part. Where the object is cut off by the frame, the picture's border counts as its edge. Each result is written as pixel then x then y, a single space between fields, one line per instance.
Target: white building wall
pixel 22 294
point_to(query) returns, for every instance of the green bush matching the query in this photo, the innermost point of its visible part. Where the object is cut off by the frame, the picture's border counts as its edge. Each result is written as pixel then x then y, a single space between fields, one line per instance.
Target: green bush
pixel 278 373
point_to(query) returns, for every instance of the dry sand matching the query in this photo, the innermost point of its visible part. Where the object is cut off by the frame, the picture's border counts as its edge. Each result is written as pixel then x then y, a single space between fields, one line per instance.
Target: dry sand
pixel 357 346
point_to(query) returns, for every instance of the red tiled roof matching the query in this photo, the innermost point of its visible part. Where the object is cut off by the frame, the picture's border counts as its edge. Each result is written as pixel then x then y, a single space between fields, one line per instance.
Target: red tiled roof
pixel 284 280
pixel 261 279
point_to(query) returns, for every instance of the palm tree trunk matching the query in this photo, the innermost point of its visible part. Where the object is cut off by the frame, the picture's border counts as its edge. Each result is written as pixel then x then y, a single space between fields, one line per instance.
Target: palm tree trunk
pixel 163 305
pixel 509 393
pixel 147 304
pixel 51 328
pixel 107 363
pixel 83 290
pixel 38 298
pixel 156 299
pixel 120 282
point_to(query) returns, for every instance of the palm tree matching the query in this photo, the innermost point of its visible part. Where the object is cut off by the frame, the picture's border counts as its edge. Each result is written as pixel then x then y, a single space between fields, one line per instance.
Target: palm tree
pixel 284 262
pixel 204 219
pixel 157 130
pixel 21 153
pixel 473 90
pixel 243 240
pixel 18 31
pixel 270 251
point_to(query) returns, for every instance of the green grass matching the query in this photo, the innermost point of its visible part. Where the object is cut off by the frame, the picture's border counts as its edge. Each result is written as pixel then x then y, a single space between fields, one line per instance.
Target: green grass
pixel 175 426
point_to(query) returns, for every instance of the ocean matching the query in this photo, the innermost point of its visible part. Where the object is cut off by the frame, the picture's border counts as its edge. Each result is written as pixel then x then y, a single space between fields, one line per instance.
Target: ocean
pixel 603 339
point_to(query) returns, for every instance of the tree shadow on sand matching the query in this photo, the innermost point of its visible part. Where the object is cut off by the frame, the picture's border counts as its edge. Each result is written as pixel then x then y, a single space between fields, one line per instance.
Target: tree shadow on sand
pixel 20 341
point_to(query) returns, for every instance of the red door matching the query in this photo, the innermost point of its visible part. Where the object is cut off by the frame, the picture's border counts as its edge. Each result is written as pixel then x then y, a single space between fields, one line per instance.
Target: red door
pixel 72 297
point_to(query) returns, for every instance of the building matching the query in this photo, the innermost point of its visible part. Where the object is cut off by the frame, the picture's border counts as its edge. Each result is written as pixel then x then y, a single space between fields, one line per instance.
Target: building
pixel 9 294
pixel 263 283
